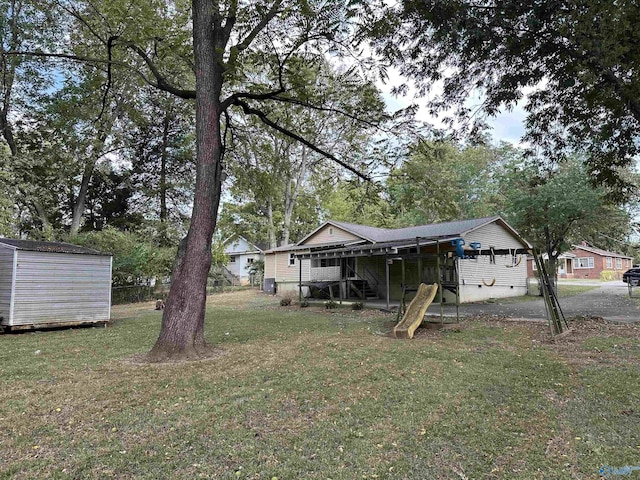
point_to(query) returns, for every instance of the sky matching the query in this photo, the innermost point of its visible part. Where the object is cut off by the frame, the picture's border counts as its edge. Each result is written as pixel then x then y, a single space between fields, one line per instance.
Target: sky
pixel 507 126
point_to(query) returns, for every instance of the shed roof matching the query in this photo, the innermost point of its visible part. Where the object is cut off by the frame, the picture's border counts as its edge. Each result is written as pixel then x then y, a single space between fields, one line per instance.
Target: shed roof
pixel 49 247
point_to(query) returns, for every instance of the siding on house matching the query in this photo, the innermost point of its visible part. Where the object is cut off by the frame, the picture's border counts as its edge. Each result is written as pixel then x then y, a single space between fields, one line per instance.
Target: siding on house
pixel 288 273
pixel 58 288
pixel 6 277
pixel 493 235
pixel 270 266
pixel 330 234
pixel 239 245
pixel 480 272
pixel 240 267
pixel 481 279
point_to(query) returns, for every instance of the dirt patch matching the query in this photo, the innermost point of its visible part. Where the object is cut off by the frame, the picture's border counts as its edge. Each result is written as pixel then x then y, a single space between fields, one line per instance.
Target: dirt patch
pixel 341 311
pixel 209 354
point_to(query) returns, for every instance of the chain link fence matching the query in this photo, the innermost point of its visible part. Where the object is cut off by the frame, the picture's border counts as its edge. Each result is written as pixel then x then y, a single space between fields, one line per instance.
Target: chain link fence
pixel 147 293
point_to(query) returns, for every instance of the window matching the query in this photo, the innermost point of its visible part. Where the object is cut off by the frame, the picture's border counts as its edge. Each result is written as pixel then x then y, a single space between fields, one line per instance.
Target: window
pixel 609 262
pixel 249 260
pixel 585 262
pixel 232 259
pixel 292 259
pixel 330 230
pixel 618 263
pixel 534 265
pixel 325 262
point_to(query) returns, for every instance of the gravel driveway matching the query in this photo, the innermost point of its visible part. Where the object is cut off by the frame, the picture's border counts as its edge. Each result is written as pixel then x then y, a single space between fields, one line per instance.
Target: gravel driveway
pixel 611 301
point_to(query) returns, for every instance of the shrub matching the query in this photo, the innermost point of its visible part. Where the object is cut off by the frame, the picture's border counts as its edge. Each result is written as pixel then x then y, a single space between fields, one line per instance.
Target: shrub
pixel 287 299
pixel 357 306
pixel 607 275
pixel 329 304
pixel 135 260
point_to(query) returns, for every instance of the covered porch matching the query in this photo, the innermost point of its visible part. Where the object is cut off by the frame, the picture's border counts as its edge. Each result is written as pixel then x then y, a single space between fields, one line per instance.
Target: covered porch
pixel 386 274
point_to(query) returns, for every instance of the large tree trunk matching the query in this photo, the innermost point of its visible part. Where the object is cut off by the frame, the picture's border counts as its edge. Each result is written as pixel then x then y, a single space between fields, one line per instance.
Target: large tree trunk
pixel 291 196
pixel 162 187
pixel 163 167
pixel 89 167
pixel 78 206
pixel 273 242
pixel 182 333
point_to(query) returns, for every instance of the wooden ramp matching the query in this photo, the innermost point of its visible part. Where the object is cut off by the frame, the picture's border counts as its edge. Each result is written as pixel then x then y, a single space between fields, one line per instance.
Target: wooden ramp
pixel 415 313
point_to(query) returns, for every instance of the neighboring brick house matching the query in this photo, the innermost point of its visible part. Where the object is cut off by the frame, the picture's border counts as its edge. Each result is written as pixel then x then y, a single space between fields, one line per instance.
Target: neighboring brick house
pixel 587 262
pixel 591 261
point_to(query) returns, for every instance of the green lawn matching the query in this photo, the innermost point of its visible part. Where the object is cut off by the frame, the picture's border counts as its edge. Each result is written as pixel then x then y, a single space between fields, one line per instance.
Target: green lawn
pixel 309 393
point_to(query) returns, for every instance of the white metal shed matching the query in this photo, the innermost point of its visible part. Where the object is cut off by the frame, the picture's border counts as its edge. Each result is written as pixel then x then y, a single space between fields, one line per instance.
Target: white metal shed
pixel 48 284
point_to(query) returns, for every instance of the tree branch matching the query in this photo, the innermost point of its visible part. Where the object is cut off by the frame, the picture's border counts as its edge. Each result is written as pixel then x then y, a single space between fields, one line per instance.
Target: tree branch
pixel 110 42
pixel 161 81
pixel 247 109
pixel 186 94
pixel 239 47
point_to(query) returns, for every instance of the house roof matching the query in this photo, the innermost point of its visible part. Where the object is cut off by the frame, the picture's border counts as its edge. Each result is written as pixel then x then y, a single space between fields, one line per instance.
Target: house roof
pixel 435 230
pixel 257 247
pixel 388 240
pixel 295 247
pixel 49 247
pixel 599 251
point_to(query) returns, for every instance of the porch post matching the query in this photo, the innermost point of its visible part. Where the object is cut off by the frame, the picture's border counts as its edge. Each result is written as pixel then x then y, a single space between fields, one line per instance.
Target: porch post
pixel 340 284
pixel 300 280
pixel 419 260
pixel 386 264
pixel 439 279
pixel 456 267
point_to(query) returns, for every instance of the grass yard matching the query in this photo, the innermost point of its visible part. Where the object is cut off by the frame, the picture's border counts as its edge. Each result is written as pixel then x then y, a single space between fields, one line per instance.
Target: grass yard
pixel 570 290
pixel 309 393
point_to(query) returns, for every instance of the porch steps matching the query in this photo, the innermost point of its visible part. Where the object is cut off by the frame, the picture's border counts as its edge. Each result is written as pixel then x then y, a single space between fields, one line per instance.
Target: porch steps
pixel 363 290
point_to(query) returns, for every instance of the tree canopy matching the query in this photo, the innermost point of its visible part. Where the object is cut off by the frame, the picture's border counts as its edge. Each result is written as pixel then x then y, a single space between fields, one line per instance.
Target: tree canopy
pixel 574 64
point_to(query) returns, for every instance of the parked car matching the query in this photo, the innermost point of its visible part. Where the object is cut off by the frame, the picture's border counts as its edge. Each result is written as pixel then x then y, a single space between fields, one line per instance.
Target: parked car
pixel 632 276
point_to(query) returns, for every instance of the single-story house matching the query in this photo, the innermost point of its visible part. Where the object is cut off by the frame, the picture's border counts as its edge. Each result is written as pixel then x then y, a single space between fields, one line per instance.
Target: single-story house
pixel 476 259
pixel 47 284
pixel 587 262
pixel 242 253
